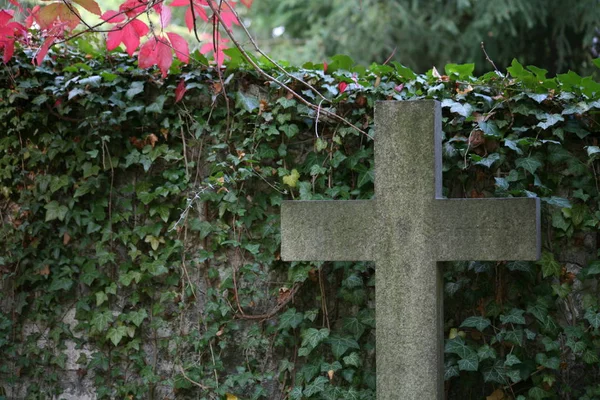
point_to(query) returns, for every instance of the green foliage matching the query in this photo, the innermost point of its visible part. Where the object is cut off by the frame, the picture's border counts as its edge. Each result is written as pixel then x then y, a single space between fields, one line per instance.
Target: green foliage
pixel 155 225
pixel 421 34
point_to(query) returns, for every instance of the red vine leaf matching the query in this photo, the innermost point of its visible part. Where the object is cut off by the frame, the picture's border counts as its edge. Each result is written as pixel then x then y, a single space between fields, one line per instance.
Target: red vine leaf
pixel 247 3
pixel 128 34
pixel 156 51
pixel 43 50
pixel 180 91
pixel 8 33
pixel 199 11
pixel 180 46
pixel 342 87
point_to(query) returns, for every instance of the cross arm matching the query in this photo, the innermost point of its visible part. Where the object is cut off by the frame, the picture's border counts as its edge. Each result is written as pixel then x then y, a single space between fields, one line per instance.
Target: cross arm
pixel 487 229
pixel 329 230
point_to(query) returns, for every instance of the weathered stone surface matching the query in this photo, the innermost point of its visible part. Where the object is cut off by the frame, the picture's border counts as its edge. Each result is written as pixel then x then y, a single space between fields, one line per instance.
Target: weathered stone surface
pixel 338 231
pixel 407 229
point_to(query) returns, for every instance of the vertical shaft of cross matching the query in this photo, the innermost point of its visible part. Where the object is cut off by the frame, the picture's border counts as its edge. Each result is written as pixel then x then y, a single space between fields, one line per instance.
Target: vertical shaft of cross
pixel 409 284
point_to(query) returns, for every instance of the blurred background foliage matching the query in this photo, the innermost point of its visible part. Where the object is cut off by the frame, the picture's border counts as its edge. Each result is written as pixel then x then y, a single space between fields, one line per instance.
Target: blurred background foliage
pixel 555 35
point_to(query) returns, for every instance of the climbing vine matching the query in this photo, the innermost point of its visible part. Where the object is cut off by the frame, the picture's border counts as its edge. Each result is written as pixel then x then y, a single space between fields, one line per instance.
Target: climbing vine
pixel 140 235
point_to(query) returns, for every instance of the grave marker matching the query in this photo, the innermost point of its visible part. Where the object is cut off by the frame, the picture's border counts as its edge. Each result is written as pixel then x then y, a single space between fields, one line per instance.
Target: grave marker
pixel 407 229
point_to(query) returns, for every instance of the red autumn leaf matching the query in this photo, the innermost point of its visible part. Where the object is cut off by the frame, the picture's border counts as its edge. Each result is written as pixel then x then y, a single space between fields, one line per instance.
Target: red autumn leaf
pixel 342 87
pixel 32 16
pixel 156 51
pixel 113 17
pixel 16 4
pixel 199 11
pixel 247 3
pixel 180 46
pixel 43 50
pixel 165 16
pixel 180 91
pixel 228 16
pixel 9 31
pixel 89 5
pixel 324 66
pixel 220 46
pixel 132 8
pixel 399 87
pixel 128 34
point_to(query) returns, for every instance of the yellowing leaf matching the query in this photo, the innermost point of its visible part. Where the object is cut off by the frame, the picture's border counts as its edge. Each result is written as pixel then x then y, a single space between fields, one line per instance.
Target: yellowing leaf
pixel 292 178
pixel 453 333
pixel 89 5
pixel 330 374
pixel 231 396
pixel 498 394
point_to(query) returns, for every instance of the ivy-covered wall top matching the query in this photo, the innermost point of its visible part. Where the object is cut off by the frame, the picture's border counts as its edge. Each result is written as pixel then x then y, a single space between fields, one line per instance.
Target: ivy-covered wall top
pixel 139 247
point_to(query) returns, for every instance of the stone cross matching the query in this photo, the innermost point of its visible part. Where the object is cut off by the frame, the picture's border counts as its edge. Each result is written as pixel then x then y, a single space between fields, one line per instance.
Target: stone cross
pixel 407 229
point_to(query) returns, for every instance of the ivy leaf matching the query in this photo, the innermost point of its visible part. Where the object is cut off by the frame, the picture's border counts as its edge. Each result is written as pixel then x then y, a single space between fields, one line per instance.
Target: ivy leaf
pixel 137 317
pixel 136 87
pixel 528 164
pixel 511 360
pixel 490 129
pixel 548 362
pixel 515 316
pixel 62 283
pixel 296 393
pixel 340 344
pixel 557 201
pixel 352 359
pixel 549 120
pixel 480 323
pixel 485 352
pixel 101 320
pixel 489 160
pixel 55 211
pixel 538 310
pixel 116 334
pixel 290 319
pixel 101 297
pixel 470 363
pixel 495 373
pixel 593 318
pixel 524 266
pixel 316 386
pixel 451 371
pixel 312 337
pixel 550 267
pixel 248 103
pixel 458 347
pixel 514 336
pixel 513 146
pixel 290 130
pixel 462 71
pixel 462 109
pixel 353 326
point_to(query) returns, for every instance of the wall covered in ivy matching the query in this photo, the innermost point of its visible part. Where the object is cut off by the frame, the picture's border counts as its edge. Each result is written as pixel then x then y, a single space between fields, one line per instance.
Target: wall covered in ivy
pixel 139 245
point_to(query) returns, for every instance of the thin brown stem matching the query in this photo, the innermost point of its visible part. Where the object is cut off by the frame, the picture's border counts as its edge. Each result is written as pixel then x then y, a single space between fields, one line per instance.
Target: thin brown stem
pixel 262 53
pixel 275 80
